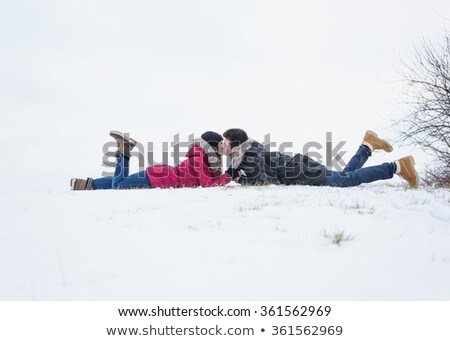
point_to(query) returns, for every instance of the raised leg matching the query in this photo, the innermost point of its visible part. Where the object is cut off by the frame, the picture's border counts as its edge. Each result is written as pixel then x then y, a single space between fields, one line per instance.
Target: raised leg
pixel 359 159
pixel 122 170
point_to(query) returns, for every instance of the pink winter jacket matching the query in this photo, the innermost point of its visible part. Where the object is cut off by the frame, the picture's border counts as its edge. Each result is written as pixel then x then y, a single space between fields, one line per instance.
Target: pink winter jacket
pixel 192 172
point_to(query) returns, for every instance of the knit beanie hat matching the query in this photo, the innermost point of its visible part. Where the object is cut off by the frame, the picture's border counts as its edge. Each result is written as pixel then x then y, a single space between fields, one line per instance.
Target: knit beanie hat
pixel 212 138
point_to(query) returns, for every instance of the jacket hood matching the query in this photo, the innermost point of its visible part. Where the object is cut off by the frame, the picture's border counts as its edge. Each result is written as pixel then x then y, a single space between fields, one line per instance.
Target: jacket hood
pixel 237 153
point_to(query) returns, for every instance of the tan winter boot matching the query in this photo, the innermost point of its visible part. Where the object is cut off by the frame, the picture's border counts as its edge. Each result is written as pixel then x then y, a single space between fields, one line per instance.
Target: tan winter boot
pixel 405 169
pixel 81 184
pixel 372 141
pixel 124 143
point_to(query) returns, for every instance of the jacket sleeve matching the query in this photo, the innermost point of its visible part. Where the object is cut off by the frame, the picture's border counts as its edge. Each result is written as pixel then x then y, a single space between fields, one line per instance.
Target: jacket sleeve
pixel 205 175
pixel 256 171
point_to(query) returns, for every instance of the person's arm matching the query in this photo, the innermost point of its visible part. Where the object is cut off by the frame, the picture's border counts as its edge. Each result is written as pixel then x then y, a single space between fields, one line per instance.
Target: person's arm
pixel 255 170
pixel 233 173
pixel 252 166
pixel 205 175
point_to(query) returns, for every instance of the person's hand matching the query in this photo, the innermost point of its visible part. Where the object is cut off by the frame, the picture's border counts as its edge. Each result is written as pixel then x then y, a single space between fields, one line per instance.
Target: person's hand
pixel 233 173
pixel 235 150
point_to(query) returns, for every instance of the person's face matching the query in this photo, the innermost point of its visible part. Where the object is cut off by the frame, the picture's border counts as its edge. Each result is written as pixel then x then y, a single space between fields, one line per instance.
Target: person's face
pixel 224 147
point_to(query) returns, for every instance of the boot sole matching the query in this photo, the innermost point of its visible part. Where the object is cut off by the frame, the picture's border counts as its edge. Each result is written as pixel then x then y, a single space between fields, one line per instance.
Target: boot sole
pixel 413 162
pixel 117 134
pixel 72 184
pixel 389 146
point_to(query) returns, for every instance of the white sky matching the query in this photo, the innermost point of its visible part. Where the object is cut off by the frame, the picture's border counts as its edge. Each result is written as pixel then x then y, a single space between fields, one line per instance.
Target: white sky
pixel 70 71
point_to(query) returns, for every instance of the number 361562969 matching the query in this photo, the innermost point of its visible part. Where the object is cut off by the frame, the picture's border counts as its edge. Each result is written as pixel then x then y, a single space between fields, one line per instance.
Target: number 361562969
pixel 295 311
pixel 307 330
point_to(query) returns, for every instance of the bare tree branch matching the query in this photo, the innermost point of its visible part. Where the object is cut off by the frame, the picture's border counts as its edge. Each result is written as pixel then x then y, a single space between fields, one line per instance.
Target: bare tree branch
pixel 427 79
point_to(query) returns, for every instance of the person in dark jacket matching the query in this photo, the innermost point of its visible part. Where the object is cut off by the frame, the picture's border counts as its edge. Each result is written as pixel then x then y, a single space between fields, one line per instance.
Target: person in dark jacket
pixel 201 168
pixel 257 166
pixel 247 159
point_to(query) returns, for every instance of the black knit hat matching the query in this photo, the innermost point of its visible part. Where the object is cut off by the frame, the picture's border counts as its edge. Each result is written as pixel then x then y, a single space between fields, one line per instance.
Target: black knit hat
pixel 212 138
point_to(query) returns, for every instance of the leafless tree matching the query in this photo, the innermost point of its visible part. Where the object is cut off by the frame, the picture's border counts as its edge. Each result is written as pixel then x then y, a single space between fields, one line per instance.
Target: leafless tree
pixel 427 76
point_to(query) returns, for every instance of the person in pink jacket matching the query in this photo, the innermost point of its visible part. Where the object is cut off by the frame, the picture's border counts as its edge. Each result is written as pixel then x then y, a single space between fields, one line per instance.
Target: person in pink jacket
pixel 201 168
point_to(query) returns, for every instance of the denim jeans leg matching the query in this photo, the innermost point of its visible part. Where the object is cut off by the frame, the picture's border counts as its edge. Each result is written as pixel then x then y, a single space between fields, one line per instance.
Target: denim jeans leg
pixel 121 172
pixel 103 183
pixel 359 176
pixel 359 159
pixel 137 180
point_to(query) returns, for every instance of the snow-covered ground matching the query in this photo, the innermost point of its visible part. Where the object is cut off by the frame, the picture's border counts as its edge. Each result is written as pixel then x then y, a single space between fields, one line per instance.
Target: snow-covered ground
pixel 231 243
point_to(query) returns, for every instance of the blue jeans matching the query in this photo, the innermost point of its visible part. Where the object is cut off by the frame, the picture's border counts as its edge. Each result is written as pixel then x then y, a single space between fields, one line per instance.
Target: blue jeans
pixel 121 180
pixel 354 175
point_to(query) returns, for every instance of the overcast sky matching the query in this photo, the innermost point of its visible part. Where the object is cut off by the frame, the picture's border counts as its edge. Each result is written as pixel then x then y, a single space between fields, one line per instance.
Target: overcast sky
pixel 70 71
